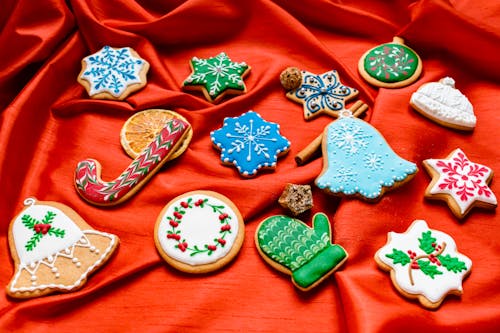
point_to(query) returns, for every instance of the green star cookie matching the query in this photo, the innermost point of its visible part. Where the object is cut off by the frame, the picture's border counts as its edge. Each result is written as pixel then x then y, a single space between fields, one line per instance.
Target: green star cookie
pixel 217 76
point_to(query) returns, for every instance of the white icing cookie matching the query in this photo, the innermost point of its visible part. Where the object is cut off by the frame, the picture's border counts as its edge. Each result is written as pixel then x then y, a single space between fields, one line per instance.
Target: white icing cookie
pixel 199 232
pixel 442 103
pixel 54 250
pixel 460 182
pixel 424 264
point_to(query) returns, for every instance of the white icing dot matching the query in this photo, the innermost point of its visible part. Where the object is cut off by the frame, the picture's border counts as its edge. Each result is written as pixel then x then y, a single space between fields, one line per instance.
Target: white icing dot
pixel 96 251
pixel 57 275
pixel 78 264
pixel 33 278
pixel 83 241
pixel 92 249
pixel 75 260
pixel 54 269
pixel 68 251
pixel 33 283
pixel 50 259
pixel 32 265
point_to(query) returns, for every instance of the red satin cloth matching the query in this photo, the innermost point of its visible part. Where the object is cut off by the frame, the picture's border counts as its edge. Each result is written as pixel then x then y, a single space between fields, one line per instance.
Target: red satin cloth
pixel 48 124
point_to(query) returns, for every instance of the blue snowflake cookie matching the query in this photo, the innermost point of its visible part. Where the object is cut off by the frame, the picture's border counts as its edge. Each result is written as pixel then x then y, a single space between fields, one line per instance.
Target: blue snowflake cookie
pixel 113 73
pixel 250 143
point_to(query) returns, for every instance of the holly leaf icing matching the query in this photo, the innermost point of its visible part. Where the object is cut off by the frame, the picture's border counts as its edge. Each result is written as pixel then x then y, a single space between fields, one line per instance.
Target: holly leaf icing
pixel 399 257
pixel 425 243
pixel 428 269
pixel 452 264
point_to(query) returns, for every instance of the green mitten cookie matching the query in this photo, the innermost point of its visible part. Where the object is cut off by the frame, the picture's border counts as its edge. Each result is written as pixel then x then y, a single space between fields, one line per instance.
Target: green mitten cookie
pixel 305 253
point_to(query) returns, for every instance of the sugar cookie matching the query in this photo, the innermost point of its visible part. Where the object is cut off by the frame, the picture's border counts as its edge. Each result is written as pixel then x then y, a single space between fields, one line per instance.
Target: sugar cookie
pixel 445 105
pixel 113 73
pixel 390 65
pixel 424 264
pixel 250 143
pixel 93 189
pixel 294 248
pixel 216 77
pixel 199 232
pixel 54 249
pixel 460 182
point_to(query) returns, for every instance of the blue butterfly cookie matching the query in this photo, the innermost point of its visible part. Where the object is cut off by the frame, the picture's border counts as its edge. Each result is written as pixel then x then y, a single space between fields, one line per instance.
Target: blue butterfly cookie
pixel 249 143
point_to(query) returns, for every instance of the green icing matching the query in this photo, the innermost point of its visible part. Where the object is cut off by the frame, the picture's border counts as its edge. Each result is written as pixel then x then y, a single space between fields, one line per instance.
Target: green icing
pixel 217 74
pixel 391 62
pixel 307 252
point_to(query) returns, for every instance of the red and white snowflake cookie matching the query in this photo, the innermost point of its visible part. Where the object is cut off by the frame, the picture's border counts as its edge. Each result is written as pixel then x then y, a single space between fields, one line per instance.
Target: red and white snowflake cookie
pixel 460 182
pixel 199 232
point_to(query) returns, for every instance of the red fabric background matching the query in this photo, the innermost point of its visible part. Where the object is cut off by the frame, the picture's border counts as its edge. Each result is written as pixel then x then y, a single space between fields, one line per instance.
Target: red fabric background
pixel 48 124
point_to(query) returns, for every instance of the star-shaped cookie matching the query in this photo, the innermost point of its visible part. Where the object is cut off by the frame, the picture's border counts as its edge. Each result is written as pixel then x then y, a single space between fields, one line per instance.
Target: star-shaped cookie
pixel 461 183
pixel 217 76
pixel 322 94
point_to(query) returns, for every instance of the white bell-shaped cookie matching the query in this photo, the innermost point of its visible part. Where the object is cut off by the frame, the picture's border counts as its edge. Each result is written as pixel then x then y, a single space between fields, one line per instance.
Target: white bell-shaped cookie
pixel 54 249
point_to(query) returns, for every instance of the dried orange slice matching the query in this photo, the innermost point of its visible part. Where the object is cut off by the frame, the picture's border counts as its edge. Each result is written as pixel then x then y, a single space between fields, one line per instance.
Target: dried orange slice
pixel 140 129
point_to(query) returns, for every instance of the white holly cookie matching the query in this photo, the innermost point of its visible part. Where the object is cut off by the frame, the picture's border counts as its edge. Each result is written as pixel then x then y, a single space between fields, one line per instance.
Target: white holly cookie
pixel 54 250
pixel 442 103
pixel 461 183
pixel 199 232
pixel 424 264
pixel 113 73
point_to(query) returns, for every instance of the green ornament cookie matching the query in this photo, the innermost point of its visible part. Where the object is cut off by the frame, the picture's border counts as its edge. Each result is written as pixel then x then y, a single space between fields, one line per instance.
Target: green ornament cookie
pixel 390 65
pixel 217 76
pixel 305 253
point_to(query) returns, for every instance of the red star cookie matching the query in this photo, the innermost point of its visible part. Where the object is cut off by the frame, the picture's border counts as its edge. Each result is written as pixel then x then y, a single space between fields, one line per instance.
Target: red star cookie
pixel 461 183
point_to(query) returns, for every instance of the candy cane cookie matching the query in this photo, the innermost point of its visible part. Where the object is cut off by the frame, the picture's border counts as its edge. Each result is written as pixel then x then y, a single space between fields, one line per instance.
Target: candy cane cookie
pixel 93 189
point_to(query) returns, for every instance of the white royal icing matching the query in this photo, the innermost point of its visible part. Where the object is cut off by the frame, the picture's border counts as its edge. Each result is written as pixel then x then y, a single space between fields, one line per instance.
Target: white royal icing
pixel 462 181
pixel 434 289
pixel 199 226
pixel 441 101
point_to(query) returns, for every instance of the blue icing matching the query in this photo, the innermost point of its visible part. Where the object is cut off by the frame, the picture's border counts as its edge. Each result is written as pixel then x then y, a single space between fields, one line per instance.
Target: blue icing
pixel 359 160
pixel 112 70
pixel 249 142
pixel 323 91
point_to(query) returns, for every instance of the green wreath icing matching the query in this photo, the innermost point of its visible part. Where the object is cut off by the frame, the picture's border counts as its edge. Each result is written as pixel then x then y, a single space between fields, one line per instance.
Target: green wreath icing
pixel 391 62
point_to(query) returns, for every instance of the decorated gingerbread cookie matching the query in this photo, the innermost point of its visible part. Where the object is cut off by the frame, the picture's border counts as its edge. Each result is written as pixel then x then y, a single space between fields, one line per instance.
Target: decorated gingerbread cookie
pixel 54 249
pixel 199 232
pixel 460 182
pixel 93 189
pixel 444 104
pixel 319 94
pixel 216 77
pixel 113 73
pixel 250 143
pixel 390 65
pixel 424 264
pixel 357 161
pixel 305 253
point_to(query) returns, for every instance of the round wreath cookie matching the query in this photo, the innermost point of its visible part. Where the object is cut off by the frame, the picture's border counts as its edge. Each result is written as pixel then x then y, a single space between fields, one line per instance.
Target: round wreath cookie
pixel 199 232
pixel 442 103
pixel 54 250
pixel 113 73
pixel 424 264
pixel 141 128
pixel 390 65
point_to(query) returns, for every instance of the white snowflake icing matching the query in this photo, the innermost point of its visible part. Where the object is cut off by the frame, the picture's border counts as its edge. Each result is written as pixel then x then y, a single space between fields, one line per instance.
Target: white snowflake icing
pixel 373 161
pixel 350 138
pixel 112 70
